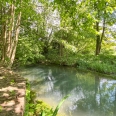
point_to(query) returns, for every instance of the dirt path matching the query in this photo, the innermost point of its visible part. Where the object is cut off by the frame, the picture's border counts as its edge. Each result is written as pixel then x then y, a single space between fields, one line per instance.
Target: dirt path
pixel 12 93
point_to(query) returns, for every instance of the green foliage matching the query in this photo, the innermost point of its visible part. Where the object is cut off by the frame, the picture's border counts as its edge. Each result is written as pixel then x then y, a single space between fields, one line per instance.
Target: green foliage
pixel 59 105
pixel 12 82
pixel 29 51
pixel 43 109
pixel 99 63
pixel 82 16
pixel 39 108
pixel 12 93
pixel 76 31
pixel 102 63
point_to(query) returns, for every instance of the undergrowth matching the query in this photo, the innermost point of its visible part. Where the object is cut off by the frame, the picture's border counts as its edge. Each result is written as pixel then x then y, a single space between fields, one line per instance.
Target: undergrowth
pixel 101 63
pixel 39 108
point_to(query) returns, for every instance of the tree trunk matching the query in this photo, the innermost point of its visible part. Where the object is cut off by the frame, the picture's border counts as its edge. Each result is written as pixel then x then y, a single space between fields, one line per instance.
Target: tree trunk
pixel 99 37
pixel 10 30
pixel 3 35
pixel 61 49
pixel 9 33
pixel 14 45
pixel 98 40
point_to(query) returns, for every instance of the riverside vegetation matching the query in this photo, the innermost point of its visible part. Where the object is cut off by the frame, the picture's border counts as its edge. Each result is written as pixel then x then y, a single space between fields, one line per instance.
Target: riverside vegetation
pixel 39 108
pixel 70 33
pixel 103 64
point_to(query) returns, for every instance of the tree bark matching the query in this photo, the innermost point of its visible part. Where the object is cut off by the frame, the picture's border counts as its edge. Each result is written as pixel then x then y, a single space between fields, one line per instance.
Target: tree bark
pixel 99 37
pixel 10 30
pixel 60 49
pixel 98 40
pixel 3 35
pixel 15 41
pixel 9 33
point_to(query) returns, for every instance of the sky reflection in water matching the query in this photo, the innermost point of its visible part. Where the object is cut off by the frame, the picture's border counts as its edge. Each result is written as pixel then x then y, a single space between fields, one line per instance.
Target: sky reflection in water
pixel 90 94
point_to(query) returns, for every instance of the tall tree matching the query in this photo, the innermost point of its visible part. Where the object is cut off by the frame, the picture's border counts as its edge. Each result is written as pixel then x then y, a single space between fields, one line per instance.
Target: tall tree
pixel 10 17
pixel 104 10
pixel 11 12
pixel 89 18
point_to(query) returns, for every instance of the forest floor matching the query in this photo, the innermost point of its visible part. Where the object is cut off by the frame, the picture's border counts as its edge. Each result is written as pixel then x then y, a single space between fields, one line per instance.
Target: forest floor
pixel 12 93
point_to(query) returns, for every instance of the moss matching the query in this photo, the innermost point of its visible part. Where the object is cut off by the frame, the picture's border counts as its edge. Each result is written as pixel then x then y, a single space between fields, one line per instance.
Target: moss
pixel 1 108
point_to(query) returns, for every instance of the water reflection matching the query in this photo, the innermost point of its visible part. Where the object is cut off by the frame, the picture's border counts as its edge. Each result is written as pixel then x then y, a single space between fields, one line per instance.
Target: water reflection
pixel 90 94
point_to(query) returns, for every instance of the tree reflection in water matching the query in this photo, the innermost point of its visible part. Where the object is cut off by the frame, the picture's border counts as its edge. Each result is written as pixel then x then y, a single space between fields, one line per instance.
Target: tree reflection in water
pixel 91 94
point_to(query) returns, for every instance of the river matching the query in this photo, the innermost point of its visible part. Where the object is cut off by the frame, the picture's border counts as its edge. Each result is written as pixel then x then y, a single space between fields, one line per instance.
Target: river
pixel 91 94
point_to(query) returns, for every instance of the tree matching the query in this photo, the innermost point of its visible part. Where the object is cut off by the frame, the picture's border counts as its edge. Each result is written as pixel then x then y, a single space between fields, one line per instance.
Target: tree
pixel 36 32
pixel 10 23
pixel 104 10
pixel 89 18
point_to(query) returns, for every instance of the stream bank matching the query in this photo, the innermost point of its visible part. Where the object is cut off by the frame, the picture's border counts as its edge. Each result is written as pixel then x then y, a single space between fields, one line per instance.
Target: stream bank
pixel 12 93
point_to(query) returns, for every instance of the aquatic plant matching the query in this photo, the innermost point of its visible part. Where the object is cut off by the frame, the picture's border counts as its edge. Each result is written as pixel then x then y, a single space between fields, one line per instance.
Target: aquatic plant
pixel 59 105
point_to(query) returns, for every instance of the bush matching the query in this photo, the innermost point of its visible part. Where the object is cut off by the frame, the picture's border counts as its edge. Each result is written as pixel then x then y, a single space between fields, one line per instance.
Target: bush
pixel 102 63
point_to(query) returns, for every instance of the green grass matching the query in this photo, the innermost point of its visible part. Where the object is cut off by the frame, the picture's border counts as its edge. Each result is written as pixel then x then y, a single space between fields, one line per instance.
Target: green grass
pixel 103 63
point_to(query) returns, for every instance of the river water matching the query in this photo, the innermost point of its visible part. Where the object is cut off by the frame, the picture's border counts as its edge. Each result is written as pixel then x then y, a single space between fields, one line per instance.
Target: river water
pixel 91 94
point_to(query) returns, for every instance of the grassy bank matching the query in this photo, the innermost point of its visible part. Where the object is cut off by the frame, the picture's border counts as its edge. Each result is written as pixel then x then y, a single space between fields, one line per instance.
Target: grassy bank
pixel 11 80
pixel 103 63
